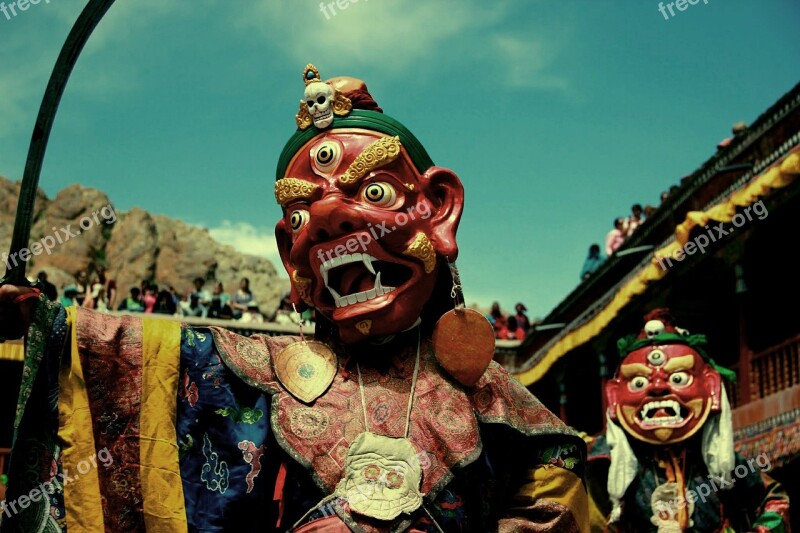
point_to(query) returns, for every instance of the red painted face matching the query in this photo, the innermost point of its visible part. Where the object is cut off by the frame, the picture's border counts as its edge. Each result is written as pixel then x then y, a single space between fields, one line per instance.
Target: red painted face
pixel 363 250
pixel 663 394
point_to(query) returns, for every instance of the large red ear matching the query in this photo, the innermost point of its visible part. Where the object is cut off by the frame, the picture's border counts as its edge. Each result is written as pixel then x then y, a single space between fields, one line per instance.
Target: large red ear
pixel 712 382
pixel 284 238
pixel 612 395
pixel 445 193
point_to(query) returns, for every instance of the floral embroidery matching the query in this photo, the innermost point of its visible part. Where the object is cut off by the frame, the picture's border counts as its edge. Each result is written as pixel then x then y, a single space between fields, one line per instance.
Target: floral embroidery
pixel 244 415
pixel 189 390
pixel 252 456
pixel 215 472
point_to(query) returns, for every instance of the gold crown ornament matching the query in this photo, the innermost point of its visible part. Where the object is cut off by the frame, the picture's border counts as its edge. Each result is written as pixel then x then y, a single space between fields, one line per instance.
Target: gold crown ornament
pixel 320 102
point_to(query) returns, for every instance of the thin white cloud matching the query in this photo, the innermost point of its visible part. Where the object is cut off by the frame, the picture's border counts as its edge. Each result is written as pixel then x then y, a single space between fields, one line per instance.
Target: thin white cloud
pixel 528 62
pixel 390 34
pixel 249 239
pixel 402 37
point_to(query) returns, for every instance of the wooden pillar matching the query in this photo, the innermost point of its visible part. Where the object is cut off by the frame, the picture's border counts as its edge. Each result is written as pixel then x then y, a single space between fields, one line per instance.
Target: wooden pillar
pixel 745 392
pixel 603 380
pixel 562 399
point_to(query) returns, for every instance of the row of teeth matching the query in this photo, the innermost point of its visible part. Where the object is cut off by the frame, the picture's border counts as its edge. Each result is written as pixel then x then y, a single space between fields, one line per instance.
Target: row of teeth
pixel 672 404
pixel 663 420
pixel 359 297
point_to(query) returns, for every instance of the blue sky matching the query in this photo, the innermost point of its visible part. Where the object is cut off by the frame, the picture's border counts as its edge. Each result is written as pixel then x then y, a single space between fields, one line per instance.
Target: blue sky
pixel 557 115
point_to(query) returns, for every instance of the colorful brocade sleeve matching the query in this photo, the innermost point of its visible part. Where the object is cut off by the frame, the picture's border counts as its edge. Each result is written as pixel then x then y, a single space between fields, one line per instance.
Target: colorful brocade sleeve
pixel 552 495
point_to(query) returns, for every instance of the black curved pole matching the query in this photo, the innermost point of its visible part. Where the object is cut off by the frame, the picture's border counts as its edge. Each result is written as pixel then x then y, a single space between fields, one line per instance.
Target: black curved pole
pixel 91 15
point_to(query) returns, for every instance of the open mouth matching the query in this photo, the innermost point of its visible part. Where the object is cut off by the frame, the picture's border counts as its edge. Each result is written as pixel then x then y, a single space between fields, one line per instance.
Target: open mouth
pixel 663 413
pixel 356 278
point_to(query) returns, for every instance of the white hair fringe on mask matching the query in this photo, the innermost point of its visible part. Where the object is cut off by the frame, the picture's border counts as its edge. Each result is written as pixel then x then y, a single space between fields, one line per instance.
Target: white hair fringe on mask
pixel 717 443
pixel 622 469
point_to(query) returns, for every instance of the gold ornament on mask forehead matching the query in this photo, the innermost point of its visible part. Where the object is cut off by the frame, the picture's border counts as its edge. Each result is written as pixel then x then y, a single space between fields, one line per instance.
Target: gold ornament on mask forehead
pixel 378 154
pixel 288 190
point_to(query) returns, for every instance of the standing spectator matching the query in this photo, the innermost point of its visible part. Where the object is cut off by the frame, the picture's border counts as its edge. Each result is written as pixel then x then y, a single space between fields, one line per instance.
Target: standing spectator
pixel 522 319
pixel 70 297
pixel 111 294
pixel 82 286
pixel 48 288
pixel 165 304
pixel 220 300
pixel 593 261
pixel 615 237
pixel 133 303
pixel 98 298
pixel 496 318
pixel 199 299
pixel 242 298
pixel 109 285
pixel 175 298
pixel 511 331
pixel 633 221
pixel 150 298
pixel 96 288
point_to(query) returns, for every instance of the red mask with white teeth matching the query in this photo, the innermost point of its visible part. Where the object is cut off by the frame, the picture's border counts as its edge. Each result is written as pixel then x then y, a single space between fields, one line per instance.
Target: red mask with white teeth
pixel 364 251
pixel 663 394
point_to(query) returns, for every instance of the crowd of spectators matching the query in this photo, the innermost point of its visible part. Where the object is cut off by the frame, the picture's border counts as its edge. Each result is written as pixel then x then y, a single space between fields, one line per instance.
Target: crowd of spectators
pixel 509 327
pixel 624 228
pixel 101 294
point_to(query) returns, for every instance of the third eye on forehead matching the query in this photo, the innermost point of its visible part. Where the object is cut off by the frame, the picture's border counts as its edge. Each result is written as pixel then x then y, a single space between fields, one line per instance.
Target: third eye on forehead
pixel 325 157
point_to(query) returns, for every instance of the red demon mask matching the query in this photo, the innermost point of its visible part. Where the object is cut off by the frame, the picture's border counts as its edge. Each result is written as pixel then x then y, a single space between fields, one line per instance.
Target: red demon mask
pixel 363 230
pixel 663 394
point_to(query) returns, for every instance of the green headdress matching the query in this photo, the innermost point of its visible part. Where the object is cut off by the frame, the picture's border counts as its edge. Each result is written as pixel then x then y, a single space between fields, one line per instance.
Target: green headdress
pixel 659 330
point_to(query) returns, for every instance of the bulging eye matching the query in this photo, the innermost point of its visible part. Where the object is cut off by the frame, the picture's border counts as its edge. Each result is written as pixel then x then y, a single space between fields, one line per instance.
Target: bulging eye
pixel 680 379
pixel 326 157
pixel 638 383
pixel 298 219
pixel 380 193
pixel 656 358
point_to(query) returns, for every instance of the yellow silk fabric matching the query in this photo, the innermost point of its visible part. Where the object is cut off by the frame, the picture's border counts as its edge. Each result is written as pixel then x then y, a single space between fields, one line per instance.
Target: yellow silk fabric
pixel 82 492
pixel 778 176
pixel 550 483
pixel 162 489
pixel 12 351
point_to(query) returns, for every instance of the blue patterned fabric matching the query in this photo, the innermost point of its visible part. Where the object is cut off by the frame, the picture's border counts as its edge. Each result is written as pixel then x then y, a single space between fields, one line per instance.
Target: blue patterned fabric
pixel 223 429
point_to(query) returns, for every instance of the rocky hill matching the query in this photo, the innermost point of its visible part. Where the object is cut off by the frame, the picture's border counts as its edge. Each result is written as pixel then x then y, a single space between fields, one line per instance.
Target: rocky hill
pixel 136 246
